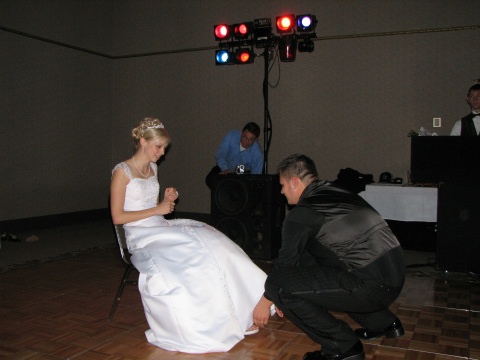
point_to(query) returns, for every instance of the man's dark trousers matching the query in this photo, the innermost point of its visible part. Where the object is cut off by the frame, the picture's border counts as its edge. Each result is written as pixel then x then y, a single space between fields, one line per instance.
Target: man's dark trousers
pixel 307 294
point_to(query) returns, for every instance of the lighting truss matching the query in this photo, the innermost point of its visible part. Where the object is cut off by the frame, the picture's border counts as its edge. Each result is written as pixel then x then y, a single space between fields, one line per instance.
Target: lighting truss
pixel 294 32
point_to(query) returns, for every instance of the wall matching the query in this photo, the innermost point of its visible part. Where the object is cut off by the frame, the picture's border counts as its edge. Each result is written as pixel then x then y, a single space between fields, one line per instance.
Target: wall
pixel 55 108
pixel 379 70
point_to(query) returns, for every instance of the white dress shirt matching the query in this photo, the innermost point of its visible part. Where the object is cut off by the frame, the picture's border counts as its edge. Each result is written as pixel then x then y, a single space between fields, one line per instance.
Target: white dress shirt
pixel 457 128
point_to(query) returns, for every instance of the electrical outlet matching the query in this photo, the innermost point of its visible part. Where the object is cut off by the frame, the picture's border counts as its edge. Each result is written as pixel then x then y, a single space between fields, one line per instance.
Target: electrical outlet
pixel 437 122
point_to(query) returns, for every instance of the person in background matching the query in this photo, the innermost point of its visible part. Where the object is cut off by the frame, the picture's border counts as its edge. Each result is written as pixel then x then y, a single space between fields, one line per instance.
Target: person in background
pixel 337 254
pixel 198 287
pixel 238 148
pixel 469 125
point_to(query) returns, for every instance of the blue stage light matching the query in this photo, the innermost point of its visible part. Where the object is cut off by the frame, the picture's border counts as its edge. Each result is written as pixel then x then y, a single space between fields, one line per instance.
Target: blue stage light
pixel 306 23
pixel 224 57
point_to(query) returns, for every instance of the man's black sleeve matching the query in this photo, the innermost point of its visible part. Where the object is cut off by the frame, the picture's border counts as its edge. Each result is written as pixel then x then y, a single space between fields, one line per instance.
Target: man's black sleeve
pixel 300 227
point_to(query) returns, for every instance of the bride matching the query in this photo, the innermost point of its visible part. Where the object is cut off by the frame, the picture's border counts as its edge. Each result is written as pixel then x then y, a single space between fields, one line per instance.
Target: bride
pixel 198 287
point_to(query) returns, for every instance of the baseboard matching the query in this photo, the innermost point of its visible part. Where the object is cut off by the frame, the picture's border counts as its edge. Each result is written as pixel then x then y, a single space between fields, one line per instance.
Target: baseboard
pixel 49 221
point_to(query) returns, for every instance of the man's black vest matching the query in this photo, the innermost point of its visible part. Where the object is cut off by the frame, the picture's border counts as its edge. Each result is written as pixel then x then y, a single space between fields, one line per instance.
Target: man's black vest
pixel 468 128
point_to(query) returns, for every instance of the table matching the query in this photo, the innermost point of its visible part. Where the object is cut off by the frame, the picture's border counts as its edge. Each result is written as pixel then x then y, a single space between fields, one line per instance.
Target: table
pixel 403 202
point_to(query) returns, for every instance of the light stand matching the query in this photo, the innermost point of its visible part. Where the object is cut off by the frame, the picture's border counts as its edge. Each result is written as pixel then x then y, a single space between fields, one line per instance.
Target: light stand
pixel 267 128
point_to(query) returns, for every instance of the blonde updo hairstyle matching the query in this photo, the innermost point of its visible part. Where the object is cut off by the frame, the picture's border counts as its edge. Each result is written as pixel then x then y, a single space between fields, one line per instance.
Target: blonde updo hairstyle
pixel 149 128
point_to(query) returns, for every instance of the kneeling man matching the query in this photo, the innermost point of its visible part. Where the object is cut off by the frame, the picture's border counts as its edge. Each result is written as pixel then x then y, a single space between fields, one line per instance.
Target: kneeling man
pixel 337 254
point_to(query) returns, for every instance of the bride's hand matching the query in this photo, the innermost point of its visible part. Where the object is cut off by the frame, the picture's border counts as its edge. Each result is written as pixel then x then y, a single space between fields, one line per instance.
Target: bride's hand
pixel 171 194
pixel 166 206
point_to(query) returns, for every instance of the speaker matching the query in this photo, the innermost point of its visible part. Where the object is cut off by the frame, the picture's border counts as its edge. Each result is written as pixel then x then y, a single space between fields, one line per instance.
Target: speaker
pixel 250 210
pixel 458 227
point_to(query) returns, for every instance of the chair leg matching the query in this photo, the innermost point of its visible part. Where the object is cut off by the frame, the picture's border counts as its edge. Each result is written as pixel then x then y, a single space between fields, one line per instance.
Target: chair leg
pixel 118 296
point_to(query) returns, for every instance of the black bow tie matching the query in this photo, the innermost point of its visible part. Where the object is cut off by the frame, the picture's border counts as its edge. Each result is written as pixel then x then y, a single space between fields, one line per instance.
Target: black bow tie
pixel 475 114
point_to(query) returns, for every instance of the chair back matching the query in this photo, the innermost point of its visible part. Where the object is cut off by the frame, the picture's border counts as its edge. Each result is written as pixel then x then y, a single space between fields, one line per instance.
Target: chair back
pixel 122 245
pixel 122 242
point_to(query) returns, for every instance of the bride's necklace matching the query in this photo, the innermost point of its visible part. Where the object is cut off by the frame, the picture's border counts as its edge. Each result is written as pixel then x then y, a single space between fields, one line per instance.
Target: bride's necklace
pixel 149 167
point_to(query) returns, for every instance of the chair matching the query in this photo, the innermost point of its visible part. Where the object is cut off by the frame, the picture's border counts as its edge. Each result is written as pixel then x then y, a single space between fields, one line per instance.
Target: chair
pixel 122 244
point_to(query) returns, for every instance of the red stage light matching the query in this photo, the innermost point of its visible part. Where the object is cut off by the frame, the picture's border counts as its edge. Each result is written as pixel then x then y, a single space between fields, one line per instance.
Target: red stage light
pixel 243 30
pixel 222 32
pixel 285 23
pixel 244 56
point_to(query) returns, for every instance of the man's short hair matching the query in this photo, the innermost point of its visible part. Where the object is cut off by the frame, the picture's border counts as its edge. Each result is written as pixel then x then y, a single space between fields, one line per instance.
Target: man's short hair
pixel 475 87
pixel 298 165
pixel 253 128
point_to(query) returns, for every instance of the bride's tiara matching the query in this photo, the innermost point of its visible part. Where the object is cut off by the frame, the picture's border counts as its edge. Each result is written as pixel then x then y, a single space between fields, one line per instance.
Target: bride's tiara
pixel 159 126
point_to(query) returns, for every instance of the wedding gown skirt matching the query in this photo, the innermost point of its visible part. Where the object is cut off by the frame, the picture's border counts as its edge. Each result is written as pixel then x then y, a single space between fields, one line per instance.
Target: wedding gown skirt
pixel 198 287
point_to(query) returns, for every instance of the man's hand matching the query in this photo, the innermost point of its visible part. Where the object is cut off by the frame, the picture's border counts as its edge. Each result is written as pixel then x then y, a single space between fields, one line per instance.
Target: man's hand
pixel 261 313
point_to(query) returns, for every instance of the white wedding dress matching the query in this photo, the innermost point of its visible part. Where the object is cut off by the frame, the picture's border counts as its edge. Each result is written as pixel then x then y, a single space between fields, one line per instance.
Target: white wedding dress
pixel 198 287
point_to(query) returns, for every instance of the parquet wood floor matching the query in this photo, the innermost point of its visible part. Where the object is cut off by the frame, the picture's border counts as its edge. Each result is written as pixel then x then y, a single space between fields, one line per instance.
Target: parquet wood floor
pixel 59 310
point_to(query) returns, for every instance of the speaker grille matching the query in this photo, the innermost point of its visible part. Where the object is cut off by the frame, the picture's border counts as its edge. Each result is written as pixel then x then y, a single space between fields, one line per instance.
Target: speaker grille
pixel 250 210
pixel 235 229
pixel 231 196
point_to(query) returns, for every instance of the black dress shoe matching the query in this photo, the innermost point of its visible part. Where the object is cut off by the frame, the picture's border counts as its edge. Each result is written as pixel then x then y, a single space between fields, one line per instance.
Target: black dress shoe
pixel 354 353
pixel 393 331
